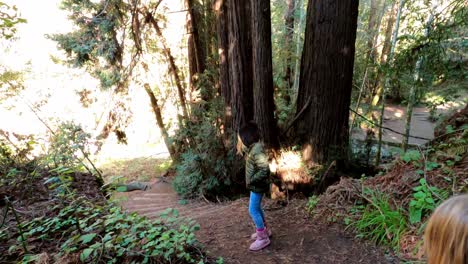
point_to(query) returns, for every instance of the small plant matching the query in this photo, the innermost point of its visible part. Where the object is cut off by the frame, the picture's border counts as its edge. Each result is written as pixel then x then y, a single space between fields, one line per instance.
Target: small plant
pixel 425 200
pixel 312 203
pixel 378 221
pixel 411 156
pixel 103 233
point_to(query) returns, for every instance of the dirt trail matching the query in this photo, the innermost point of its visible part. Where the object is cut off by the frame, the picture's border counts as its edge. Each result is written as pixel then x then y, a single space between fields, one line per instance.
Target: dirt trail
pixel 395 118
pixel 226 227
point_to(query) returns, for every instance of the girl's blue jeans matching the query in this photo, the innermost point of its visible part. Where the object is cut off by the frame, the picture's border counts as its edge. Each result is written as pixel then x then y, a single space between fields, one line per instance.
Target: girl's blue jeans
pixel 255 209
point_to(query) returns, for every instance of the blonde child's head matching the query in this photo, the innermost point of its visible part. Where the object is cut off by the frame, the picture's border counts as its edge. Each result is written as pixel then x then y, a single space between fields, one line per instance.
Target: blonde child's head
pixel 446 235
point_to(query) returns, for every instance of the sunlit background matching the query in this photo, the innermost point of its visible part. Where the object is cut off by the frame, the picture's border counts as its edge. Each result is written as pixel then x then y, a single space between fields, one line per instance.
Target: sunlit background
pixel 51 88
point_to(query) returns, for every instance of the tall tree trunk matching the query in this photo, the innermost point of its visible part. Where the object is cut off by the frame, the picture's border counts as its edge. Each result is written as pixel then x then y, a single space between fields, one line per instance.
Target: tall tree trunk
pixel 385 53
pixel 388 34
pixel 160 122
pixel 223 47
pixel 386 84
pixel 240 62
pixel 170 58
pixel 416 83
pixel 372 30
pixel 326 79
pixel 196 47
pixel 263 71
pixel 288 43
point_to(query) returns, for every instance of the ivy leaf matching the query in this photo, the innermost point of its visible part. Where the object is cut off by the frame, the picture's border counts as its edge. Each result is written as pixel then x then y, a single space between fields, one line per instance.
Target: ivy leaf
pixel 85 254
pixel 430 200
pixel 87 238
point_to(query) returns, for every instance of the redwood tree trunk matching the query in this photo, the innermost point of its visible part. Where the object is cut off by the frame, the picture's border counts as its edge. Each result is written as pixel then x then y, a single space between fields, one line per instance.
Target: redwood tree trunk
pixel 264 105
pixel 326 79
pixel 196 47
pixel 240 62
pixel 223 46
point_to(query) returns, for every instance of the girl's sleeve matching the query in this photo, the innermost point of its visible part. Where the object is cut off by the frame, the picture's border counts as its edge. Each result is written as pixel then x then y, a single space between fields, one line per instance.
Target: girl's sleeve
pixel 263 169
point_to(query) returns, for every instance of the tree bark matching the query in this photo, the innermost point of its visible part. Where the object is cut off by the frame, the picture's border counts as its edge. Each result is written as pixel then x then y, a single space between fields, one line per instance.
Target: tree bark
pixel 240 62
pixel 160 122
pixel 223 46
pixel 288 43
pixel 371 31
pixel 264 105
pixel 170 58
pixel 196 47
pixel 384 55
pixel 326 79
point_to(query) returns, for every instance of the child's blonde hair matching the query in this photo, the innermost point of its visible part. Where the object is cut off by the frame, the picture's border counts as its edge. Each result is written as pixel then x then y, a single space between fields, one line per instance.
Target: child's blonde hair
pixel 446 235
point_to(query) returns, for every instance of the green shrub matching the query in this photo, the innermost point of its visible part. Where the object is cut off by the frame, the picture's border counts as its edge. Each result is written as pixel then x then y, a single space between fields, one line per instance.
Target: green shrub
pixel 378 221
pixel 104 233
pixel 205 166
pixel 425 200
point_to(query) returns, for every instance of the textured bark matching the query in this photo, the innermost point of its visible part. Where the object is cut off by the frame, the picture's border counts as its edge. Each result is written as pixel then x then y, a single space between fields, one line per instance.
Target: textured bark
pixel 371 31
pixel 388 33
pixel 170 58
pixel 240 62
pixel 264 106
pixel 223 46
pixel 384 55
pixel 196 47
pixel 160 122
pixel 288 44
pixel 326 79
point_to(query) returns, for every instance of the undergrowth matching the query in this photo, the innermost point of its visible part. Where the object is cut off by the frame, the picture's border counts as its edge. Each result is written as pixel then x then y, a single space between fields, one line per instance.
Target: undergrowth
pixel 204 168
pixel 54 211
pixel 379 221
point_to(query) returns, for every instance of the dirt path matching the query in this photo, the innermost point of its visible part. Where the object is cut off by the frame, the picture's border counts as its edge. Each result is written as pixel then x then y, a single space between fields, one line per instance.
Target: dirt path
pixel 395 118
pixel 225 230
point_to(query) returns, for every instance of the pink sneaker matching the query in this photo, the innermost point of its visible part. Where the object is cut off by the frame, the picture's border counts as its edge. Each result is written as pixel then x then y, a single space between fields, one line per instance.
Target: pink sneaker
pixel 254 235
pixel 261 242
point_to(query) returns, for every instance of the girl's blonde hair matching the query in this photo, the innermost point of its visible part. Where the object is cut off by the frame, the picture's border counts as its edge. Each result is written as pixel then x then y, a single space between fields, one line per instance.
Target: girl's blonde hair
pixel 446 235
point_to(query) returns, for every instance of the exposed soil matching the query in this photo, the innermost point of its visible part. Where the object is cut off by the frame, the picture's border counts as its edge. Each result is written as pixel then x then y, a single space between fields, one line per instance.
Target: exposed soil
pixel 226 229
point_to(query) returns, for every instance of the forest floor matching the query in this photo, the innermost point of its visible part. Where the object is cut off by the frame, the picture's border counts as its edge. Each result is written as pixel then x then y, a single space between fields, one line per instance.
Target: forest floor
pixel 226 229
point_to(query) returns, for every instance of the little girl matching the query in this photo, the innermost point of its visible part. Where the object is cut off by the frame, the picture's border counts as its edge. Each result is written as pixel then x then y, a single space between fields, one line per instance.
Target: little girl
pixel 257 177
pixel 446 235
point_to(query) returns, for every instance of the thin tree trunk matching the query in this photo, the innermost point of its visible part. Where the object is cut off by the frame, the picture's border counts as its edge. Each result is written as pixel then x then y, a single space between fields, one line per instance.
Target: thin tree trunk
pixel 263 71
pixel 170 58
pixel 288 43
pixel 358 103
pixel 387 78
pixel 299 42
pixel 240 62
pixel 415 86
pixel 388 34
pixel 384 54
pixel 326 79
pixel 160 122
